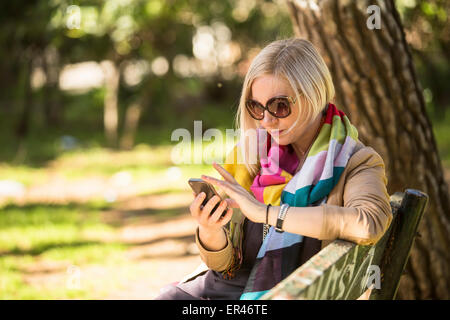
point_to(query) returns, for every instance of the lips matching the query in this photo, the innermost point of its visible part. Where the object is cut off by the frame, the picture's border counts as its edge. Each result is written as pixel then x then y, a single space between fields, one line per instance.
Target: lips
pixel 279 132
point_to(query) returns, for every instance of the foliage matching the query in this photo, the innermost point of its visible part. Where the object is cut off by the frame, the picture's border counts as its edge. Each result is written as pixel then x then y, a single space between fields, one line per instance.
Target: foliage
pixel 428 34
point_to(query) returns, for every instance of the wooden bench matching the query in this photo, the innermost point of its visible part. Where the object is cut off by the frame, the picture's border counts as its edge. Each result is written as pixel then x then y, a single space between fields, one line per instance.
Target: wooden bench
pixel 345 270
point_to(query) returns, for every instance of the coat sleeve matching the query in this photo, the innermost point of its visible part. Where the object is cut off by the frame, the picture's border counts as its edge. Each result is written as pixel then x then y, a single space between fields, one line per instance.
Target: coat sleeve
pixel 219 260
pixel 215 260
pixel 366 213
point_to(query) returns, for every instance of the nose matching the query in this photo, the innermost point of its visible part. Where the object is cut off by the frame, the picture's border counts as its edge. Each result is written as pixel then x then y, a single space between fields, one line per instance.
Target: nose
pixel 268 120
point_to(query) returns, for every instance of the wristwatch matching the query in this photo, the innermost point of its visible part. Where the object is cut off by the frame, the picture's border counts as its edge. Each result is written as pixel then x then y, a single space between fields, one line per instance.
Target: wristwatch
pixel 281 215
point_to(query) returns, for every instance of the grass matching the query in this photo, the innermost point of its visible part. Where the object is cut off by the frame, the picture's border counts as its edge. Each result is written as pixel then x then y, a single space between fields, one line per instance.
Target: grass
pixel 142 163
pixel 32 229
pixel 23 174
pixel 40 244
pixel 73 234
pixel 51 234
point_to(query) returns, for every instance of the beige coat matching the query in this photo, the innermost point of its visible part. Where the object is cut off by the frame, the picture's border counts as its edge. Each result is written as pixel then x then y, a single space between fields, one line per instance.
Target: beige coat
pixel 357 209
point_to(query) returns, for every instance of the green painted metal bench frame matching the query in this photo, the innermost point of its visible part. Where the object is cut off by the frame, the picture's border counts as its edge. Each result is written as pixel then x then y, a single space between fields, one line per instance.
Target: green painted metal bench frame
pixel 342 269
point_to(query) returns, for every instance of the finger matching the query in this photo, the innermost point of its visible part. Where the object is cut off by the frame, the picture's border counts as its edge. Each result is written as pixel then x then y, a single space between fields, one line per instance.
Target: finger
pixel 224 173
pixel 206 211
pixel 200 197
pixel 210 180
pixel 195 206
pixel 226 186
pixel 215 216
pixel 227 217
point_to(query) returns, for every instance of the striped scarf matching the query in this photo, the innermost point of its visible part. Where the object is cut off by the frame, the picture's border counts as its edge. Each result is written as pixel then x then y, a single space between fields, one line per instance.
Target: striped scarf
pixel 276 184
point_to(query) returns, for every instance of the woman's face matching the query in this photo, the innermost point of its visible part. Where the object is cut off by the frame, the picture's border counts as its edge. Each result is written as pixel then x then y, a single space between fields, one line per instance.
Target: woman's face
pixel 266 87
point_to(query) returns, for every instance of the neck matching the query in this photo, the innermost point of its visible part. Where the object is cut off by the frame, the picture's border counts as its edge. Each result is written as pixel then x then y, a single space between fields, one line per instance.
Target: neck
pixel 307 138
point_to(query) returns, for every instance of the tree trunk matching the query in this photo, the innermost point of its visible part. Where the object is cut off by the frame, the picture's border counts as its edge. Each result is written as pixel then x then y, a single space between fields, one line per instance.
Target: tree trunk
pixel 376 86
pixel 111 112
pixel 23 126
pixel 52 99
pixel 130 126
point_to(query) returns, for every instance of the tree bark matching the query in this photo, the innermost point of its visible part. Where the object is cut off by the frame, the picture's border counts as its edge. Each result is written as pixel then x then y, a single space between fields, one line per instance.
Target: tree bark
pixel 23 126
pixel 377 87
pixel 52 100
pixel 111 109
pixel 130 126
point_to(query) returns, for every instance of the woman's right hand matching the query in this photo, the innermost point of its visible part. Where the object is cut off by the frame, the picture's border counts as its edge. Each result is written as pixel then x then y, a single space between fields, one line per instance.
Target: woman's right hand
pixel 208 221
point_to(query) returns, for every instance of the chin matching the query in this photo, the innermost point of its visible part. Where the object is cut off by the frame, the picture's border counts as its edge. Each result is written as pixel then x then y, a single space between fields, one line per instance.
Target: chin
pixel 282 140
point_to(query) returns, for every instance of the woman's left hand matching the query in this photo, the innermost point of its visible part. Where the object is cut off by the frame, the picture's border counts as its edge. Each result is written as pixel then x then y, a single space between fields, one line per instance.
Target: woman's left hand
pixel 239 196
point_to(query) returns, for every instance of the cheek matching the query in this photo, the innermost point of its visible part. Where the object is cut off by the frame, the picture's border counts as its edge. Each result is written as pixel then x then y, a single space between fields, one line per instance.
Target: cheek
pixel 293 134
pixel 287 137
pixel 289 125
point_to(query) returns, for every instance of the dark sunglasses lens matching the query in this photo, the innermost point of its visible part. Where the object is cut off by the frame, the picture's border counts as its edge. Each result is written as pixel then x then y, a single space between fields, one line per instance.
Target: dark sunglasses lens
pixel 255 109
pixel 280 107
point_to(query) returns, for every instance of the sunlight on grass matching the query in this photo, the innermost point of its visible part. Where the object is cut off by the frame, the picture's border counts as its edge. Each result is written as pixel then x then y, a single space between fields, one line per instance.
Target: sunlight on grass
pixel 101 270
pixel 102 253
pixel 39 243
pixel 144 165
pixel 35 228
pixel 23 174
pixel 51 234
pixel 142 162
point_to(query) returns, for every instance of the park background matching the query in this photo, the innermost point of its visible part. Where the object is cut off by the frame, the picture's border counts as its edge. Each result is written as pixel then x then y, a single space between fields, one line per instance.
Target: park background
pixel 92 203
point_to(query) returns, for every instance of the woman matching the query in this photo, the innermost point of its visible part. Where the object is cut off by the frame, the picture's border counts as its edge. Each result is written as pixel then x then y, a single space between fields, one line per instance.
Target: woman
pixel 317 182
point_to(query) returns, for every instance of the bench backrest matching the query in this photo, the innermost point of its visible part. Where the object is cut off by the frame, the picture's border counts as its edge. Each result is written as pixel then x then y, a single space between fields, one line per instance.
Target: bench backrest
pixel 343 270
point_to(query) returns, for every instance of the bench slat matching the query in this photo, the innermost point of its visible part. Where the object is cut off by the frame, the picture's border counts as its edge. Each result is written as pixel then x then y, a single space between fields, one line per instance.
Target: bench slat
pixel 401 240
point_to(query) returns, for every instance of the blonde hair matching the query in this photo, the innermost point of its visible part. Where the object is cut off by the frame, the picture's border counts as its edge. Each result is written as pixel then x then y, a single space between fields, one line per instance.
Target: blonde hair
pixel 299 63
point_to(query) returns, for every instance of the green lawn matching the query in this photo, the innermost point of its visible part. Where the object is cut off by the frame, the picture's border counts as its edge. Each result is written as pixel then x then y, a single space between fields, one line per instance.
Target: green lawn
pixel 73 234
pixel 52 234
pixel 40 245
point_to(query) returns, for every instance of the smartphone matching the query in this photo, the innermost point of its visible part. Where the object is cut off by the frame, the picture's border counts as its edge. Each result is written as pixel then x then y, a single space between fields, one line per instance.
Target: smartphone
pixel 198 185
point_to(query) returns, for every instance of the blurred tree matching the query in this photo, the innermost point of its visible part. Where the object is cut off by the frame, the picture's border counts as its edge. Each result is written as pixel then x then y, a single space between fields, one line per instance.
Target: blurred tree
pixel 180 50
pixel 23 47
pixel 377 86
pixel 428 34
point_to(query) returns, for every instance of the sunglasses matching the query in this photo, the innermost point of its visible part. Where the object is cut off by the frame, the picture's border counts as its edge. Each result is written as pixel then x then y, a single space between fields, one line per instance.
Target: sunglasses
pixel 279 107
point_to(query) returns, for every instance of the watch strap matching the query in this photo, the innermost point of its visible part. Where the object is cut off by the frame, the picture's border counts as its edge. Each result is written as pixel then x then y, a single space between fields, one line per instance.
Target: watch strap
pixel 281 216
